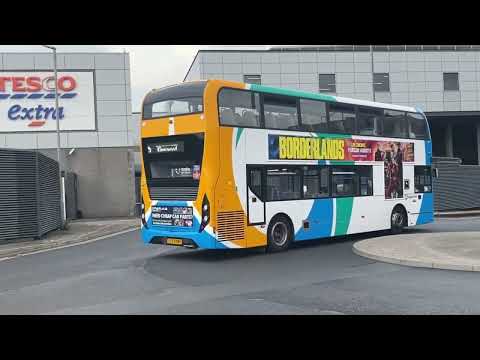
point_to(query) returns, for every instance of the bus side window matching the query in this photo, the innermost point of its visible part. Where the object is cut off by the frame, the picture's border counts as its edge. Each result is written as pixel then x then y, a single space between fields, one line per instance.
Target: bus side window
pixel 341 119
pixel 239 108
pixel 417 126
pixel 280 112
pixel 369 121
pixel 394 124
pixel 423 179
pixel 314 115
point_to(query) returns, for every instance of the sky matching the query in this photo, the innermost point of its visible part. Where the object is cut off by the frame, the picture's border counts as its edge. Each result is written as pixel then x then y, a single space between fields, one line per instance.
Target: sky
pixel 151 66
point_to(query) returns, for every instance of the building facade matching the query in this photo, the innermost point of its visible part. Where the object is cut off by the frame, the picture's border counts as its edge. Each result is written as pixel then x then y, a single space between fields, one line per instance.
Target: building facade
pixel 98 133
pixel 443 81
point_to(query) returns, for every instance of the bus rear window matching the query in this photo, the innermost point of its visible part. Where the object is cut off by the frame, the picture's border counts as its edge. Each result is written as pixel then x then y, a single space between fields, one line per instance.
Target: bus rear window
pixel 175 100
pixel 173 107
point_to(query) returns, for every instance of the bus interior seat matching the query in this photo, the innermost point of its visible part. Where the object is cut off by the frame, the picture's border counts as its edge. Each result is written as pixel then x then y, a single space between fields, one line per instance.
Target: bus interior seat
pixel 227 117
pixel 238 119
pixel 269 120
pixel 250 119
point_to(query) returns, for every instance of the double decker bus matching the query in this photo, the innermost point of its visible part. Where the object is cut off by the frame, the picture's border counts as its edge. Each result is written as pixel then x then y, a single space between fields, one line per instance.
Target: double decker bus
pixel 234 165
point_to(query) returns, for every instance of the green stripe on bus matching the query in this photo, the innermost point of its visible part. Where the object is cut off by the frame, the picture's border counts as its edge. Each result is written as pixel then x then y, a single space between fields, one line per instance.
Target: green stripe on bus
pixel 333 136
pixel 342 162
pixel 343 215
pixel 239 133
pixel 290 92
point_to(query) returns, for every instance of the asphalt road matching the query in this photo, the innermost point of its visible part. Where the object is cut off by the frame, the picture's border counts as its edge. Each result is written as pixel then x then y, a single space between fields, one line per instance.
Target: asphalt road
pixel 120 275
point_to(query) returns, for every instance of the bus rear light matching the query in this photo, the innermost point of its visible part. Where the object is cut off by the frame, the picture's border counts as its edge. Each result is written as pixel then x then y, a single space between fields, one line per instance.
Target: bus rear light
pixel 144 222
pixel 205 213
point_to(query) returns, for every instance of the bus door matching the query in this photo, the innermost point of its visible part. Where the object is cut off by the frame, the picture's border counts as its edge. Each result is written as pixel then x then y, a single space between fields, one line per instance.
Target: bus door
pixel 255 195
pixel 409 190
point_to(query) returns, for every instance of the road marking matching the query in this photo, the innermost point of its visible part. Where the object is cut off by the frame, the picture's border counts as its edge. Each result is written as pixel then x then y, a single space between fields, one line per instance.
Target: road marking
pixel 70 245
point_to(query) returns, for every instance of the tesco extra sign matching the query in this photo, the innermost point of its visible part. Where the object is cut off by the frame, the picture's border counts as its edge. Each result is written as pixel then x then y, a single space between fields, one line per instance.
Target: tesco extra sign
pixel 27 101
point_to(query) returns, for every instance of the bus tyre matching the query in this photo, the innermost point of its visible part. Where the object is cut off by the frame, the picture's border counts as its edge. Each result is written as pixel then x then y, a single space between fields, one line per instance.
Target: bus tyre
pixel 279 234
pixel 398 220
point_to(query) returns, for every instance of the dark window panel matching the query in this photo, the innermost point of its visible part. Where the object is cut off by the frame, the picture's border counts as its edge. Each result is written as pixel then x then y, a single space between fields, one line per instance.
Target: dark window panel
pixel 394 124
pixel 252 79
pixel 423 179
pixel 381 82
pixel 369 121
pixel 283 184
pixel 341 119
pixel 280 112
pixel 239 108
pixel 418 128
pixel 450 82
pixel 315 182
pixel 314 115
pixel 327 83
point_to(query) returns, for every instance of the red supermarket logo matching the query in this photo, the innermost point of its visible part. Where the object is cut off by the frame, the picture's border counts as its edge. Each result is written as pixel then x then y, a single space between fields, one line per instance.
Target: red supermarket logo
pixel 36 84
pixel 36 88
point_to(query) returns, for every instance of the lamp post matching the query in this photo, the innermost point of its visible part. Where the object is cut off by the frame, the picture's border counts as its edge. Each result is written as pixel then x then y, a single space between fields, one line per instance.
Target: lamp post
pixel 57 117
pixel 371 59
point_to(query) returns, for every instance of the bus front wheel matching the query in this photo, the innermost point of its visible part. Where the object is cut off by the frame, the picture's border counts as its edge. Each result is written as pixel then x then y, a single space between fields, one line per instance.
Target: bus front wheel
pixel 398 220
pixel 280 234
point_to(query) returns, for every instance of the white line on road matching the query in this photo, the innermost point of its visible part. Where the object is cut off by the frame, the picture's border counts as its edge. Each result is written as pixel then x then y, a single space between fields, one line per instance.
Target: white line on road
pixel 70 245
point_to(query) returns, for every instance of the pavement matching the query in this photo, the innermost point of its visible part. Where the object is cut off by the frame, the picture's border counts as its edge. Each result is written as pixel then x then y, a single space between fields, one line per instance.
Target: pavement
pixel 77 232
pixel 443 250
pixel 459 213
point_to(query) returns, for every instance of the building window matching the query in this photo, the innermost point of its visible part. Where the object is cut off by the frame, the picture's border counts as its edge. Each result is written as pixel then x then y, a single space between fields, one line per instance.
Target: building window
pixel 239 108
pixel 341 119
pixel 381 82
pixel 423 179
pixel 314 115
pixel 283 184
pixel 369 121
pixel 327 83
pixel 280 112
pixel 394 124
pixel 252 79
pixel 315 182
pixel 450 82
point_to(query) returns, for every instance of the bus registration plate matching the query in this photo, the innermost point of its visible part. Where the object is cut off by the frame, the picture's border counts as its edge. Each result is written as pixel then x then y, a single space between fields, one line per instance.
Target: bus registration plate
pixel 177 242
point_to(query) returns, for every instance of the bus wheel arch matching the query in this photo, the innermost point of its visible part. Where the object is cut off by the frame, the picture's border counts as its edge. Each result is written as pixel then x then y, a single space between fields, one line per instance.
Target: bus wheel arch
pixel 398 219
pixel 280 233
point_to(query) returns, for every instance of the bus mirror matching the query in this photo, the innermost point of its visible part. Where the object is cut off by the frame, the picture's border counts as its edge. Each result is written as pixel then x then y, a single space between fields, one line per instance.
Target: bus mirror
pixel 435 172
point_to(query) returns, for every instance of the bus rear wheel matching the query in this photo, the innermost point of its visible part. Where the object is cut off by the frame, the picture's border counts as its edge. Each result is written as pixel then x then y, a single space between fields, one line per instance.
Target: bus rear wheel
pixel 398 220
pixel 279 234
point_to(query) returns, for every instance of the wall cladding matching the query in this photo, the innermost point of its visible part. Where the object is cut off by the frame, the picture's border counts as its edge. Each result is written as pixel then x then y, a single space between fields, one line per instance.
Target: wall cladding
pixel 457 186
pixel 29 194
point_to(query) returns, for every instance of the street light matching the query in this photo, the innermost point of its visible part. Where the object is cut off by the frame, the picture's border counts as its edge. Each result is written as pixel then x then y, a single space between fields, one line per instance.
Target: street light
pixel 57 116
pixel 371 59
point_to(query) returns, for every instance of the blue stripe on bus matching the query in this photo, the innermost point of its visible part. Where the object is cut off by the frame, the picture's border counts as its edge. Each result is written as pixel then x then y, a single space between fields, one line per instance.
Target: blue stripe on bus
pixel 320 221
pixel 428 152
pixel 426 209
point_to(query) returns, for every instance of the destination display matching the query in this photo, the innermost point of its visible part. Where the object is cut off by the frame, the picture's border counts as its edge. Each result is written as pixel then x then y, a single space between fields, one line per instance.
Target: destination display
pixel 172 215
pixel 162 148
pixel 285 147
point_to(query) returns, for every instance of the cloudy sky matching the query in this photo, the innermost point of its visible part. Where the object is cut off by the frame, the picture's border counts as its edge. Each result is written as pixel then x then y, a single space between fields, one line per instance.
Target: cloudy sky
pixel 151 66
